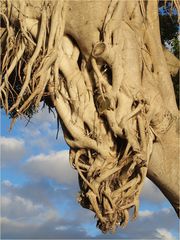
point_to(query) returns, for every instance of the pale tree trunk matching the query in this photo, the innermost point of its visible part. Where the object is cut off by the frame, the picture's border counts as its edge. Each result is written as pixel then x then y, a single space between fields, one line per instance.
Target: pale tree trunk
pixel 102 66
pixel 163 167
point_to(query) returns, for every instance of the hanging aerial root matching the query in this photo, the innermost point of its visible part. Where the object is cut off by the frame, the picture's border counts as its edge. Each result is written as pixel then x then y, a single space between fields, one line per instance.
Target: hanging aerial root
pixel 111 177
pixel 110 186
pixel 28 65
pixel 111 190
pixel 32 61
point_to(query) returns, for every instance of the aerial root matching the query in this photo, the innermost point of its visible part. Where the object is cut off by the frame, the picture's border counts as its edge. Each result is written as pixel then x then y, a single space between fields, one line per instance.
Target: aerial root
pixel 110 184
pixel 111 202
pixel 33 63
pixel 111 188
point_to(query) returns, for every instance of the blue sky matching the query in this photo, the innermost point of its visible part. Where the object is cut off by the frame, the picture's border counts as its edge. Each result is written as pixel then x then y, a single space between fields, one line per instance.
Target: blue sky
pixel 39 190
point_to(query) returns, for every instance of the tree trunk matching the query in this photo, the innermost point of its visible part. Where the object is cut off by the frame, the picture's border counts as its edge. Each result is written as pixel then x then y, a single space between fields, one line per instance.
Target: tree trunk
pixel 163 167
pixel 102 66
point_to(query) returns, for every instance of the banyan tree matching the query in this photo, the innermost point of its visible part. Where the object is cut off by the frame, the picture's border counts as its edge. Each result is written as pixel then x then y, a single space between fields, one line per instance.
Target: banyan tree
pixel 102 66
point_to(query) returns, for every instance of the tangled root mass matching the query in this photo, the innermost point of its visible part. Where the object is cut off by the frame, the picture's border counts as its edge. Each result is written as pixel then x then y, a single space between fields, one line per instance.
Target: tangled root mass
pixel 103 112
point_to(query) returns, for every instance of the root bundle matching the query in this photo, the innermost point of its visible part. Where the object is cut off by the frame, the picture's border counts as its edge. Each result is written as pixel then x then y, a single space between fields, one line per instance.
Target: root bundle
pixel 101 102
pixel 28 64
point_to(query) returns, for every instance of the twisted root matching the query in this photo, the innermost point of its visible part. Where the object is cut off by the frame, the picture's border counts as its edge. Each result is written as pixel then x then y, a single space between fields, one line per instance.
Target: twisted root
pixel 110 180
pixel 111 190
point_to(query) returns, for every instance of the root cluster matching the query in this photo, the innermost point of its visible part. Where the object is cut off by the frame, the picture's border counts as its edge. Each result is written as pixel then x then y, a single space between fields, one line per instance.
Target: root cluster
pixel 28 63
pixel 100 102
pixel 110 187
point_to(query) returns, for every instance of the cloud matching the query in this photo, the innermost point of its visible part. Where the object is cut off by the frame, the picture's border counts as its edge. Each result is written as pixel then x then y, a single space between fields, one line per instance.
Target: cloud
pixel 44 206
pixel 45 192
pixel 20 208
pixel 149 221
pixel 7 183
pixel 53 229
pixel 145 227
pixel 23 217
pixel 54 166
pixel 12 150
pixel 42 121
pixel 162 233
pixel 56 214
pixel 146 213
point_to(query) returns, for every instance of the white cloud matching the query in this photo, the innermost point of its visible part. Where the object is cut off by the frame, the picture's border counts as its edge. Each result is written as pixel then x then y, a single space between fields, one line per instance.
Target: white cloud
pixel 162 233
pixel 54 166
pixel 145 213
pixel 19 207
pixel 43 120
pixel 12 150
pixel 7 183
pixel 31 132
pixel 5 201
pixel 23 210
pixel 6 221
pixel 54 212
pixel 23 218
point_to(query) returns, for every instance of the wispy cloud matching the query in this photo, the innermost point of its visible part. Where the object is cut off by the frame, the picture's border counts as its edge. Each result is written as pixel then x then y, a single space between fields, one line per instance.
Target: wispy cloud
pixel 162 233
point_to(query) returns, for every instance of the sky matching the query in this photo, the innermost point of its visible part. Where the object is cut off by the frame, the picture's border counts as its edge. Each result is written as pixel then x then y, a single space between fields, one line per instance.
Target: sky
pixel 39 190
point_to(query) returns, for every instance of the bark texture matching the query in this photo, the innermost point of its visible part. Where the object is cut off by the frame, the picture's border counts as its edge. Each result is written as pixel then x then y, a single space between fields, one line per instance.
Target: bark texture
pixel 102 66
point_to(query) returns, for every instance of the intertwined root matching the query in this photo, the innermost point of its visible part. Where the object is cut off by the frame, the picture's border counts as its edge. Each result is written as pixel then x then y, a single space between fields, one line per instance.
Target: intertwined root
pixel 111 170
pixel 111 187
pixel 100 103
